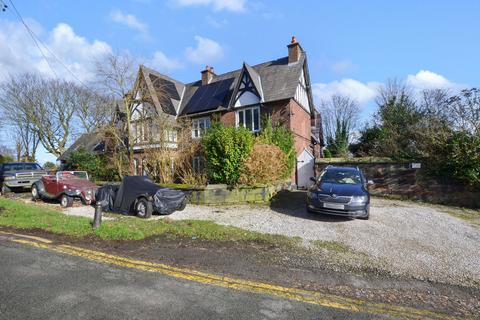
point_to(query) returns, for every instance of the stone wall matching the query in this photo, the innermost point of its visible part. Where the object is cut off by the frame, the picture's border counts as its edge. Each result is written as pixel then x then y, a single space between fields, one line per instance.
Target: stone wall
pixel 220 194
pixel 399 179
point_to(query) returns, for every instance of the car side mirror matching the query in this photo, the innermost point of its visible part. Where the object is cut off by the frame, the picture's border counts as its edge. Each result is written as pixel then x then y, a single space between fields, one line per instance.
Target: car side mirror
pixel 370 182
pixel 313 179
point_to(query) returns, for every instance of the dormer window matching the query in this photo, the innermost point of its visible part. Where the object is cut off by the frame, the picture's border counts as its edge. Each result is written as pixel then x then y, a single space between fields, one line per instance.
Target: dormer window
pixel 199 126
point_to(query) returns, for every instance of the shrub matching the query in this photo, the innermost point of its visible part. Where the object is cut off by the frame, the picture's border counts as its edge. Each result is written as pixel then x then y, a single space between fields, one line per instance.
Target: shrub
pixel 96 165
pixel 49 166
pixel 327 153
pixel 265 164
pixel 225 149
pixel 458 157
pixel 282 138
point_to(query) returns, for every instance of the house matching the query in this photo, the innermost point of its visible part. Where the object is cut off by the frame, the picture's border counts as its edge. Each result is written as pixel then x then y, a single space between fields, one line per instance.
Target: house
pixel 279 88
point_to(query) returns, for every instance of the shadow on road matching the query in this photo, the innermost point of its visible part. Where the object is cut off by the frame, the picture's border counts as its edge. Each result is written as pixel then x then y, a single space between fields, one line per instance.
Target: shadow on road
pixel 293 203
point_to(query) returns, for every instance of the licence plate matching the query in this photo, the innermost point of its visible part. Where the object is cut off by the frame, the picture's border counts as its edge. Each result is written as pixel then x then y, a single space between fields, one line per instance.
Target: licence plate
pixel 333 206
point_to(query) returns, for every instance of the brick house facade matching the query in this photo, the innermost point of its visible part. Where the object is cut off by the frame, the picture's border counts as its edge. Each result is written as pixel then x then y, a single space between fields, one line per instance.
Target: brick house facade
pixel 279 88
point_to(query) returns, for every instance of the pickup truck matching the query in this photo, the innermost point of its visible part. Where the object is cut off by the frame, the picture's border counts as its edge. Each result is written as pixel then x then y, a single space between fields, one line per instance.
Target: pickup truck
pixel 16 175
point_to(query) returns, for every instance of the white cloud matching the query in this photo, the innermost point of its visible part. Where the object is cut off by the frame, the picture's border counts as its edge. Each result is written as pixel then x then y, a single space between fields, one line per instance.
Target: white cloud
pixel 217 5
pixel 207 51
pixel 164 64
pixel 362 92
pixel 130 21
pixel 18 52
pixel 365 92
pixel 425 79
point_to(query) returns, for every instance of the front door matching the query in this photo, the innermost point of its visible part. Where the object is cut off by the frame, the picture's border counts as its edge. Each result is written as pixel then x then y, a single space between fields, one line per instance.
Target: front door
pixel 305 169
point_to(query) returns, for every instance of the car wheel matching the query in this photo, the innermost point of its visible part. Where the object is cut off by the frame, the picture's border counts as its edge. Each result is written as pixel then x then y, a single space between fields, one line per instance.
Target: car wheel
pixel 35 194
pixel 183 205
pixel 66 201
pixel 5 189
pixel 366 217
pixel 144 208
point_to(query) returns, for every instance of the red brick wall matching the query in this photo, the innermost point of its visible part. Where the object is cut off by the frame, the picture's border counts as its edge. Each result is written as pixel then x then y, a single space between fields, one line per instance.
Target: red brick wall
pixel 300 125
pixel 228 118
pixel 286 112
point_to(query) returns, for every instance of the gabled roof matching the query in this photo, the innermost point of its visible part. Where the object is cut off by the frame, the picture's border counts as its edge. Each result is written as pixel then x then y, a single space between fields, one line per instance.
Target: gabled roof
pixel 248 71
pixel 90 142
pixel 275 80
pixel 166 92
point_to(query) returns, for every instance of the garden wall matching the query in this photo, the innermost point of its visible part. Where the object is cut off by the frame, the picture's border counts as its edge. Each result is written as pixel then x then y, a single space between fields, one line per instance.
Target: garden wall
pixel 404 180
pixel 220 194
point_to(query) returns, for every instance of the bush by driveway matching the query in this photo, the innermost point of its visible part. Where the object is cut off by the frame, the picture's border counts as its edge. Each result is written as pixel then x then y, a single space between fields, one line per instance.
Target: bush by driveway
pixel 403 238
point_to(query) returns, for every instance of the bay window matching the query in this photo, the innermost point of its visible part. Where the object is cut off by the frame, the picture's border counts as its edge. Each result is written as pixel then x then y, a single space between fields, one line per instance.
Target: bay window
pixel 249 118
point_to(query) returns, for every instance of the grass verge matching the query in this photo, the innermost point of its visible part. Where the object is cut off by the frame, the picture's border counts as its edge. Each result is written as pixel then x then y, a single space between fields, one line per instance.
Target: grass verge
pixel 331 246
pixel 469 215
pixel 28 216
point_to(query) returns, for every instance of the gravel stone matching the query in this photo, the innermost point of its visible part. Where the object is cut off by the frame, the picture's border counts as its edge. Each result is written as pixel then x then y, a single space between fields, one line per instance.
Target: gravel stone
pixel 402 238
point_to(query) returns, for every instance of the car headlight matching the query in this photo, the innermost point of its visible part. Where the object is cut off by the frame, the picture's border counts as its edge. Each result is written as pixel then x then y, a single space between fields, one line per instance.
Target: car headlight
pixel 7 178
pixel 359 199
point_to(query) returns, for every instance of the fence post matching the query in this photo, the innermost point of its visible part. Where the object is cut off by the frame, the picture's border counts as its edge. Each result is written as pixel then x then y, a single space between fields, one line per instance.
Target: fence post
pixel 97 219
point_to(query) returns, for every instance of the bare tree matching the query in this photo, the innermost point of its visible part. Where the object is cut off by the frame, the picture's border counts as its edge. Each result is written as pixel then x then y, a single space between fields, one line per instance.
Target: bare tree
pixel 17 100
pixel 340 119
pixel 115 75
pixel 42 110
pixel 93 110
pixel 464 110
pixel 52 117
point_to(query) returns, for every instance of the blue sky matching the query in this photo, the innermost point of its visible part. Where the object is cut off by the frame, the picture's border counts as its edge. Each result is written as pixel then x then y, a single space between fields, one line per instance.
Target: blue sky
pixel 352 46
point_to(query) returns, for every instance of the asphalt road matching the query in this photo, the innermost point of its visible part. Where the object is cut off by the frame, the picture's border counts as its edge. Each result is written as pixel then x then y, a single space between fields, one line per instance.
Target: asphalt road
pixel 40 284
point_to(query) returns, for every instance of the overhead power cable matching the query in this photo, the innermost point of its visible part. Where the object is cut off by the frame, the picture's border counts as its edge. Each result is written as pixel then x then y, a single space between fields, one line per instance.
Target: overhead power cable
pixel 38 43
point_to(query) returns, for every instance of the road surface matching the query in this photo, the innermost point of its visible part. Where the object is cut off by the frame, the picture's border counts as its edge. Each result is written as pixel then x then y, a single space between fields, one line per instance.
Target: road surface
pixel 41 284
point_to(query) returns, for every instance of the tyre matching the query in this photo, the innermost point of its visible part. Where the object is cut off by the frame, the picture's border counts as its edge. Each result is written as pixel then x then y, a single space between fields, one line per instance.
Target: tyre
pixel 66 201
pixel 308 209
pixel 368 214
pixel 183 205
pixel 35 193
pixel 5 189
pixel 143 208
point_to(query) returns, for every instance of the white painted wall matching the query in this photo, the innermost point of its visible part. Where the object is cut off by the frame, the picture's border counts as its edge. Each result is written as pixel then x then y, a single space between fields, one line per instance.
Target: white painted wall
pixel 305 167
pixel 248 98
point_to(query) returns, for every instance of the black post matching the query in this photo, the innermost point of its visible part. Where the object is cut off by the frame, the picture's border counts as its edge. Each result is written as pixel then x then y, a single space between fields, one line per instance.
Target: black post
pixel 97 219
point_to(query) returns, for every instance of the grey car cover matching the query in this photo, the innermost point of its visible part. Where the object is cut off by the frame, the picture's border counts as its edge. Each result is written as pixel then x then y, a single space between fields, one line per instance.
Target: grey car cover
pixel 165 200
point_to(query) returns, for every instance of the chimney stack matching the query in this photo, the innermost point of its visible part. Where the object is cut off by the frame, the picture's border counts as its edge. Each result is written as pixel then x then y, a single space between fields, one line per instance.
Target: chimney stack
pixel 207 75
pixel 294 51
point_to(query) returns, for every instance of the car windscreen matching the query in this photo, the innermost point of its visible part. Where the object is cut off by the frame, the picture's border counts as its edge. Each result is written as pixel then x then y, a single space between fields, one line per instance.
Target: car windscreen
pixel 72 175
pixel 341 176
pixel 20 167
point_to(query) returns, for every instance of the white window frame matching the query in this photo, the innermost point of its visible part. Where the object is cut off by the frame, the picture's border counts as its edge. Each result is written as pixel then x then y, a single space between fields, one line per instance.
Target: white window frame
pixel 198 164
pixel 197 130
pixel 242 113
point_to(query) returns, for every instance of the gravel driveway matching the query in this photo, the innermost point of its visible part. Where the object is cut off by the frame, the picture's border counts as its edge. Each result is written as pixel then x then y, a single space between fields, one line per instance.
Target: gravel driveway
pixel 402 237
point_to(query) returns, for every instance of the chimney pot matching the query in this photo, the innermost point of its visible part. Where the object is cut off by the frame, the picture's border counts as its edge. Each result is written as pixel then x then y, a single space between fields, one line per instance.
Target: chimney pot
pixel 207 75
pixel 294 51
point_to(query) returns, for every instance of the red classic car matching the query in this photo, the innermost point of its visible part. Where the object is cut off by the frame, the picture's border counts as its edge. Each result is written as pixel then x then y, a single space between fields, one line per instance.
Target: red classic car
pixel 65 186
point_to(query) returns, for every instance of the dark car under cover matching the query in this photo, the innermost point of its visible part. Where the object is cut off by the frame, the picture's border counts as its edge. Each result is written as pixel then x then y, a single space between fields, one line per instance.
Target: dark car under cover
pixel 124 197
